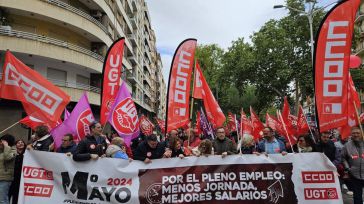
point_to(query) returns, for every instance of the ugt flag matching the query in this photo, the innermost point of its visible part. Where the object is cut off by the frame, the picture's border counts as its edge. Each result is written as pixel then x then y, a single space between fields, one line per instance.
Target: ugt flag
pixel 124 116
pixel 77 122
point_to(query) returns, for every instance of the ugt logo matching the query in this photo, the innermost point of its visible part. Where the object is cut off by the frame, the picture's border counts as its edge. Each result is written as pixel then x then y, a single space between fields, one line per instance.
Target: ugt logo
pixel 125 117
pixel 83 122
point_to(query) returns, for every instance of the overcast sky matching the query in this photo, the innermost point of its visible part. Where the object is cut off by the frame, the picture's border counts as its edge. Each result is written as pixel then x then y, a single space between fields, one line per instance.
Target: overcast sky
pixel 209 21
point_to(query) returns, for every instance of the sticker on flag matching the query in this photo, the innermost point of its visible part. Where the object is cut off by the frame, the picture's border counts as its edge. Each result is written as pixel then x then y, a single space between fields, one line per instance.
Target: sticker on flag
pixel 332 108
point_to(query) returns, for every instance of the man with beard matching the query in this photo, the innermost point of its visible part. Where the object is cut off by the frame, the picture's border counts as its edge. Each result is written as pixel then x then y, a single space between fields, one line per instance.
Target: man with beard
pixel 222 145
pixel 352 158
pixel 270 144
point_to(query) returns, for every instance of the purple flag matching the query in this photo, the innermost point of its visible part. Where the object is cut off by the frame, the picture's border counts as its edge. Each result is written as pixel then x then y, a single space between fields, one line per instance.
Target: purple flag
pixel 124 116
pixel 66 114
pixel 77 123
pixel 206 127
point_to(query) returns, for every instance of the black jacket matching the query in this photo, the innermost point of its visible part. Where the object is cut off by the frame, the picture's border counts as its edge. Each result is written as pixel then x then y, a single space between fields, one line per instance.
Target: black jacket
pixel 70 149
pixel 144 151
pixel 43 143
pixel 329 150
pixel 90 145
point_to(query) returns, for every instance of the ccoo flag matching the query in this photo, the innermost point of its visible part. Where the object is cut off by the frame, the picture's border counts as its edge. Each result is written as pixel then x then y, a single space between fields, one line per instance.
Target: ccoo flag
pixel 332 58
pixel 124 116
pixel 178 96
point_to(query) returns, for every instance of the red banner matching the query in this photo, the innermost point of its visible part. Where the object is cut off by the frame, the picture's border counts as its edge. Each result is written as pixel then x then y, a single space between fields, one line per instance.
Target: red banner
pixel 40 98
pixel 31 122
pixel 178 97
pixel 111 74
pixel 332 60
pixel 213 111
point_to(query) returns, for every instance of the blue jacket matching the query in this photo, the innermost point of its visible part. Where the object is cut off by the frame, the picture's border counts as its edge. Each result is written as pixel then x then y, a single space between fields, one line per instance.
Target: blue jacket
pixel 261 146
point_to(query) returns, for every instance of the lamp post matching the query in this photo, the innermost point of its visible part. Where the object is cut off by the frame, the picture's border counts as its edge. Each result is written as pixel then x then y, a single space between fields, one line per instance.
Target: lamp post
pixel 310 13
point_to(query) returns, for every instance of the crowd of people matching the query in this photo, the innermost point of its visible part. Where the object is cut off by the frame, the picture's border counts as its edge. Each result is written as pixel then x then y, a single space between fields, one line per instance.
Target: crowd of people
pixel 347 154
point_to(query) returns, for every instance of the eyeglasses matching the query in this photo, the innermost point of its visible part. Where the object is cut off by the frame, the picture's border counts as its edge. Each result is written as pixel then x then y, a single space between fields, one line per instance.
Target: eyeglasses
pixel 220 132
pixel 65 140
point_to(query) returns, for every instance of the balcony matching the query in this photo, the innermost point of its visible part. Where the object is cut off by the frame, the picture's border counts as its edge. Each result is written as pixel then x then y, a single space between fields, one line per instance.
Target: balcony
pixel 134 23
pixel 131 77
pixel 132 39
pixel 133 60
pixel 41 45
pixel 78 12
pixel 85 87
pixel 58 12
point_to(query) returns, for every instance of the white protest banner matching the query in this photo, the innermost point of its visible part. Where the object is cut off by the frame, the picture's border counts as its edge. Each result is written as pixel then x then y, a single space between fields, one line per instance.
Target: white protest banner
pixel 295 178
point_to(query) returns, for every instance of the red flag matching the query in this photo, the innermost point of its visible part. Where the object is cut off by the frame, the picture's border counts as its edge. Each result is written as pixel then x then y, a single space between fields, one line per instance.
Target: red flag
pixel 40 98
pixel 161 124
pixel 288 135
pixel 197 91
pixel 178 97
pixel 232 121
pixel 213 111
pixel 285 110
pixel 198 123
pixel 332 60
pixel 111 78
pixel 257 125
pixel 352 120
pixel 289 120
pixel 31 122
pixel 245 124
pixel 146 126
pixel 302 126
pixel 275 124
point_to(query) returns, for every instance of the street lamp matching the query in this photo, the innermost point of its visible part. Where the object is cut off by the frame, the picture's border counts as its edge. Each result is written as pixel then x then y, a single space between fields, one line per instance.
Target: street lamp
pixel 310 14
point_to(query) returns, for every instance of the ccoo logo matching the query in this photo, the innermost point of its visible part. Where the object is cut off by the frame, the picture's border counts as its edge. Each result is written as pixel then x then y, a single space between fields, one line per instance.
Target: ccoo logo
pixel 83 122
pixel 125 117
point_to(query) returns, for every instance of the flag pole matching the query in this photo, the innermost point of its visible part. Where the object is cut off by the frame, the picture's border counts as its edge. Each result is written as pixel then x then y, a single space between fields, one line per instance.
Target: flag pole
pixel 9 127
pixel 313 137
pixel 192 101
pixel 285 129
pixel 358 118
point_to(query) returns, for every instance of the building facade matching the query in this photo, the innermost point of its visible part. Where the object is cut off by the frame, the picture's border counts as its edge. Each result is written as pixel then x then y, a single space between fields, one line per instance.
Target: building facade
pixel 66 41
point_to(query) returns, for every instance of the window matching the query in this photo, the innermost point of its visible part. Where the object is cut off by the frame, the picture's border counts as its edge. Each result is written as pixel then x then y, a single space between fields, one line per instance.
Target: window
pixel 56 76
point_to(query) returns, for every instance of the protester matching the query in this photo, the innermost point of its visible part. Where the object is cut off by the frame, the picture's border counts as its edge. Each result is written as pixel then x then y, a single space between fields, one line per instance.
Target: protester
pixel 43 139
pixel 304 144
pixel 204 149
pixel 222 145
pixel 352 158
pixel 92 146
pixel 136 141
pixel 151 149
pixel 175 145
pixel 117 149
pixel 326 146
pixel 68 146
pixel 15 185
pixel 128 149
pixel 192 142
pixel 7 160
pixel 248 145
pixel 345 182
pixel 271 145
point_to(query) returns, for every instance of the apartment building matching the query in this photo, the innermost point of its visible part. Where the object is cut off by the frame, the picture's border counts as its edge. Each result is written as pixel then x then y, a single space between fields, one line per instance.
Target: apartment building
pixel 66 41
